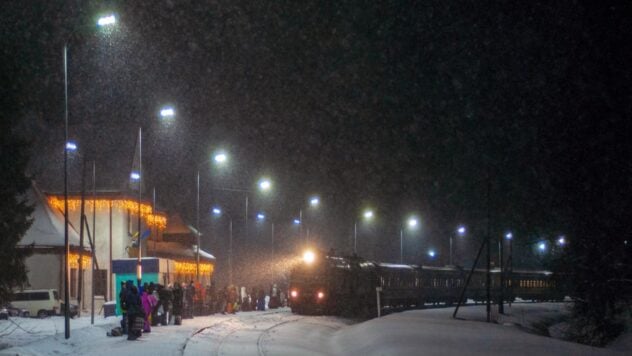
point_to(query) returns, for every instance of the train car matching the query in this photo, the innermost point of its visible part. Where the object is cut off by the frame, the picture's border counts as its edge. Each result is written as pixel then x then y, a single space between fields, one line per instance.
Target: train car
pixel 352 286
pixel 400 286
pixel 349 286
pixel 443 285
pixel 537 286
pixel 322 284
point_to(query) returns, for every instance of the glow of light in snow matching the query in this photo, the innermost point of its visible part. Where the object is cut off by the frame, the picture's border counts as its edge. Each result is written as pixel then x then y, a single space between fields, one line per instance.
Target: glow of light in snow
pixel 509 236
pixel 220 158
pixel 217 211
pixel 541 246
pixel 461 230
pixel 71 146
pixel 314 201
pixel 309 257
pixel 135 176
pixel 412 222
pixel 561 241
pixel 167 112
pixel 368 214
pixel 106 20
pixel 432 253
pixel 297 221
pixel 260 216
pixel 265 184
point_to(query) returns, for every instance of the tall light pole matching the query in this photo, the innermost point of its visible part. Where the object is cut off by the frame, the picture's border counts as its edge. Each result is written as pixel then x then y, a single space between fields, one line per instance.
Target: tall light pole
pixel 219 158
pixel 412 224
pixel 139 263
pixel 461 232
pixel 501 299
pixel 218 212
pixel 103 21
pixel 66 243
pixel 314 202
pixel 367 215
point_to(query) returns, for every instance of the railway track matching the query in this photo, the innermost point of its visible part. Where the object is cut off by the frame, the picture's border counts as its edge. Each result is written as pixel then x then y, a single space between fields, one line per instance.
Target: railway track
pixel 245 334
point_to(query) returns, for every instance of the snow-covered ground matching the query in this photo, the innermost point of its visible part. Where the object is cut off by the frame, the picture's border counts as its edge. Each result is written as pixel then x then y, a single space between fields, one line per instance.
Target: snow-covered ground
pixel 279 332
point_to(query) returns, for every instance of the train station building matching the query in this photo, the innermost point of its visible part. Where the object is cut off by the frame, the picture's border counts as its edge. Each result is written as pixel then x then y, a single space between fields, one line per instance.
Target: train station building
pixel 111 231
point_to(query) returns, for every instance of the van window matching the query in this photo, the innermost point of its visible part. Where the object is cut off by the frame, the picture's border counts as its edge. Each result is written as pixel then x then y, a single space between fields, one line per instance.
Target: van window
pixel 40 296
pixel 20 297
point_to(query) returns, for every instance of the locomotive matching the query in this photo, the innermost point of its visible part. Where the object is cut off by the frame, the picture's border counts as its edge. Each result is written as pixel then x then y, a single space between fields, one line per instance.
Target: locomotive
pixel 354 287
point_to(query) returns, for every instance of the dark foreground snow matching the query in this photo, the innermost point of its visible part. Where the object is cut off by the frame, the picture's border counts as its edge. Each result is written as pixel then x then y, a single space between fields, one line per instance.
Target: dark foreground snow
pixel 417 332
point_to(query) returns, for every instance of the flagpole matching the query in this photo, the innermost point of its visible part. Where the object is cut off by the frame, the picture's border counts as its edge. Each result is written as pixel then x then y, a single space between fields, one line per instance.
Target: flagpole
pixel 139 266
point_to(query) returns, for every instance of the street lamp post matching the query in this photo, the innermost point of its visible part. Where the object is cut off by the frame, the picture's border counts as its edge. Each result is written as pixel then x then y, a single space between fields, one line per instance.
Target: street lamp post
pixel 219 158
pixel 501 299
pixel 367 215
pixel 461 231
pixel 218 212
pixel 314 202
pixel 412 223
pixel 104 21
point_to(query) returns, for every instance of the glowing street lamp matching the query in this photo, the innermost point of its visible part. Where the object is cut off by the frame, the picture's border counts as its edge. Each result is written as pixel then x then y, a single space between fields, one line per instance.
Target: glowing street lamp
pixel 412 224
pixel 134 176
pixel 297 222
pixel 265 184
pixel 261 217
pixel 71 146
pixel 461 232
pixel 218 212
pixel 542 246
pixel 561 241
pixel 368 215
pixel 167 112
pixel 106 20
pixel 432 253
pixel 314 201
pixel 220 158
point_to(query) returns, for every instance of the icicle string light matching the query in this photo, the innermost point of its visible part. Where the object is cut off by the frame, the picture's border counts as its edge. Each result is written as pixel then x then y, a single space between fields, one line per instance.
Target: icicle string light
pixel 73 261
pixel 146 212
pixel 190 268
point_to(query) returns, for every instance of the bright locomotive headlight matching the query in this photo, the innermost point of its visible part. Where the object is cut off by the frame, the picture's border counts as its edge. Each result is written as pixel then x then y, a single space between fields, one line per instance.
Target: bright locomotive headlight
pixel 309 257
pixel 321 295
pixel 294 293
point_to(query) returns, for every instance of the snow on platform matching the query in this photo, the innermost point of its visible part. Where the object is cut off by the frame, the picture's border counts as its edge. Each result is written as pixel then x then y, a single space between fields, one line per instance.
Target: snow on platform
pixel 279 332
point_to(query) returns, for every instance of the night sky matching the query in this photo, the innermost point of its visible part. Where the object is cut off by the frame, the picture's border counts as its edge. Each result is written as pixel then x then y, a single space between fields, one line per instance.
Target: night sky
pixel 455 111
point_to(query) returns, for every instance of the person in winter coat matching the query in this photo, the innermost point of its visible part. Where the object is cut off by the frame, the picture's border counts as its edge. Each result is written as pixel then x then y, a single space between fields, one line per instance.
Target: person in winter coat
pixel 261 300
pixel 122 305
pixel 166 297
pixel 133 306
pixel 230 300
pixel 274 297
pixel 177 301
pixel 149 302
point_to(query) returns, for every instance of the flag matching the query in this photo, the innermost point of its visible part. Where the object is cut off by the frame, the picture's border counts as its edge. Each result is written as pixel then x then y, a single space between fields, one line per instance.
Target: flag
pixel 135 178
pixel 145 234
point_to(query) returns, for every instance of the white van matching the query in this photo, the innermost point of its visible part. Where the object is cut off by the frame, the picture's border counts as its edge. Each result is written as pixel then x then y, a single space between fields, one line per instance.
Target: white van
pixel 40 302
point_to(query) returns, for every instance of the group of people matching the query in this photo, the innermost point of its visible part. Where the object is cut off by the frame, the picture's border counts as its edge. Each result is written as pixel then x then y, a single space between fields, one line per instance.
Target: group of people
pixel 153 305
pixel 230 299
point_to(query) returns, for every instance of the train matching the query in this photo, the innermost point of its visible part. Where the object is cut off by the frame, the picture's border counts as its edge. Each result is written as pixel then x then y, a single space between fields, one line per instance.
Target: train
pixel 325 284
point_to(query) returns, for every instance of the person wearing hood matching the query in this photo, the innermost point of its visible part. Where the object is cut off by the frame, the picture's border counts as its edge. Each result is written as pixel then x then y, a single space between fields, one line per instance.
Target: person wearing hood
pixel 132 304
pixel 148 302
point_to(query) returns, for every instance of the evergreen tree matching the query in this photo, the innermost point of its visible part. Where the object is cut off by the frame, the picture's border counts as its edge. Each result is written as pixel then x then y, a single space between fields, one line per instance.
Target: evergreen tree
pixel 14 154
